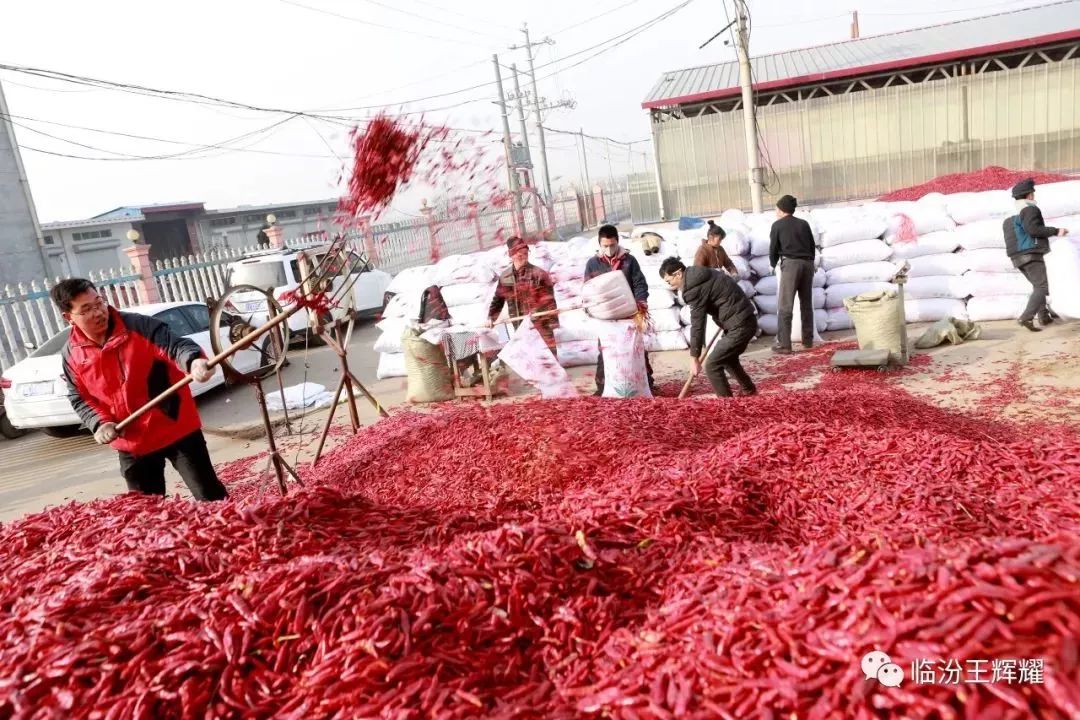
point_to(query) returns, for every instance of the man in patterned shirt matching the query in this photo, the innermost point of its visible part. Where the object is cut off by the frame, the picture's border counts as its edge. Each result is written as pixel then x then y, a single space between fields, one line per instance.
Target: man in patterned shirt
pixel 526 289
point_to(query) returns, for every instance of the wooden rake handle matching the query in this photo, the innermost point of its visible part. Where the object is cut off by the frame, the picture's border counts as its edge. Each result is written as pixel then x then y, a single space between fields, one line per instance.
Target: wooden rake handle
pixel 704 353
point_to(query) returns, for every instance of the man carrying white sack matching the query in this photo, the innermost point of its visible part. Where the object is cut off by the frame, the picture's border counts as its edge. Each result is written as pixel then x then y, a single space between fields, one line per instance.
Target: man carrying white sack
pixel 713 293
pixel 612 257
pixel 791 245
pixel 1027 241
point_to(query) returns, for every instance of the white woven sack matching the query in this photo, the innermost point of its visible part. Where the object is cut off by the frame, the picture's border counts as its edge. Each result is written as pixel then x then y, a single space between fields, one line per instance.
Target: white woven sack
pixel 926 217
pixel 608 297
pixel 955 264
pixel 838 319
pixel 404 305
pixel 412 280
pixel 835 294
pixel 623 347
pixel 880 271
pixel 735 243
pixel 660 299
pixel 846 225
pixel 389 340
pixel 687 243
pixel 990 284
pixel 579 332
pixel 933 309
pixel 742 267
pixel 936 286
pixel 467 293
pixel 568 294
pixel 998 307
pixel 1063 272
pixel 473 315
pixel 759 238
pixel 936 243
pixel 769 304
pixel 987 260
pixel 684 314
pixel 748 288
pixel 665 320
pixel 770 325
pixel 391 365
pixel 1058 199
pixel 665 341
pixel 710 330
pixel 768 286
pixel 761 266
pixel 966 208
pixel 852 253
pixel 576 353
pixel 731 217
pixel 983 234
pixel 457 269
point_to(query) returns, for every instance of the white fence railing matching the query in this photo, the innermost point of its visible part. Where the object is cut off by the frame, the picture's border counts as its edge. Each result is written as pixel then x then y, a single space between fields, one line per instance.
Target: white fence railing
pixel 28 316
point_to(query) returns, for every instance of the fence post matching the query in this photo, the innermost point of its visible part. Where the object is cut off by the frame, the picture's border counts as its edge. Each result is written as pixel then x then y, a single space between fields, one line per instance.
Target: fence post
pixel 433 229
pixel 367 237
pixel 598 204
pixel 140 262
pixel 472 209
pixel 277 236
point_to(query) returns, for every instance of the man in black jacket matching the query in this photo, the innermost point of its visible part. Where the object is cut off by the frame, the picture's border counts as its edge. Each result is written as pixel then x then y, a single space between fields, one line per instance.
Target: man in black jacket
pixel 1027 240
pixel 791 245
pixel 612 257
pixel 713 293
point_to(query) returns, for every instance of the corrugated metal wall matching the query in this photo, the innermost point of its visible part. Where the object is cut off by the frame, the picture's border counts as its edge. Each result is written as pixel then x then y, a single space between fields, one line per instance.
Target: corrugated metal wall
pixel 867 143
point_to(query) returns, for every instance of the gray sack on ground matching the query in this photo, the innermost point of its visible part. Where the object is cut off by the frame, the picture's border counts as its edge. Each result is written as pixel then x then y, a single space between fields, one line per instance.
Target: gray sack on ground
pixel 948 329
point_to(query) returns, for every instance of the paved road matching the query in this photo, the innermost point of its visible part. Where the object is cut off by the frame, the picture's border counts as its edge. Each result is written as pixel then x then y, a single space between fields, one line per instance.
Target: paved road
pixel 38 470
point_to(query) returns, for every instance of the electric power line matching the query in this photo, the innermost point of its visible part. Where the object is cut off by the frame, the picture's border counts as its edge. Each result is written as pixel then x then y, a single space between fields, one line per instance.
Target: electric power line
pixel 377 3
pixel 370 23
pixel 594 17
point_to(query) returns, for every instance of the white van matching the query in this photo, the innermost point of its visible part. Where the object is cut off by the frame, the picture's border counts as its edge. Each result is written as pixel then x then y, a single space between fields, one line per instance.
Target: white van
pixel 281 271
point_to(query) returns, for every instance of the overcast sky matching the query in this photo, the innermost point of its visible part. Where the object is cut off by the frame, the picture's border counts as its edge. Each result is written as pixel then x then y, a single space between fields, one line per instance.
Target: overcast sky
pixel 287 54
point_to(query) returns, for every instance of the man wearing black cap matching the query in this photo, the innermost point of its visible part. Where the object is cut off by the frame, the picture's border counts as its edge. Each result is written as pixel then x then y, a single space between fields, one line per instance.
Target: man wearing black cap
pixel 791 245
pixel 526 289
pixel 1027 240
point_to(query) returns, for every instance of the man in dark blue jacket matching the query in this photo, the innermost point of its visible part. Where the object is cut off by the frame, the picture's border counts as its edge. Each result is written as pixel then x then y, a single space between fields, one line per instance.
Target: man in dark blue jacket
pixel 1027 241
pixel 612 257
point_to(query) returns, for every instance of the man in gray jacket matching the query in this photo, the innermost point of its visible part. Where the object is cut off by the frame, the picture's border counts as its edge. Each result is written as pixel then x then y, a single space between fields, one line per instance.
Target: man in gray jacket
pixel 1027 241
pixel 713 293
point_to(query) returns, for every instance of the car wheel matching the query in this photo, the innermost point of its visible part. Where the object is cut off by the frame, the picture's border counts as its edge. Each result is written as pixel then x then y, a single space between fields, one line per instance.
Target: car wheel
pixel 8 430
pixel 64 431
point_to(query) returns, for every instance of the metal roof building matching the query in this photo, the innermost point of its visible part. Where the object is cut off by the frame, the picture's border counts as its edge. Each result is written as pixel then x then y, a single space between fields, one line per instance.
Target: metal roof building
pixel 861 117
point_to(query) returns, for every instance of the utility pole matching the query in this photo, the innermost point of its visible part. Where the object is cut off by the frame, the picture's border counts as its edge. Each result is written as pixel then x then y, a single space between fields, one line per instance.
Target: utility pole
pixel 525 143
pixel 585 160
pixel 536 107
pixel 515 191
pixel 610 174
pixel 753 156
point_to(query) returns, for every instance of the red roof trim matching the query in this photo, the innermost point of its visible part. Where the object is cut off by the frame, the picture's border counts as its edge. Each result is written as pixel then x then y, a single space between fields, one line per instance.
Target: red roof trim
pixel 866 69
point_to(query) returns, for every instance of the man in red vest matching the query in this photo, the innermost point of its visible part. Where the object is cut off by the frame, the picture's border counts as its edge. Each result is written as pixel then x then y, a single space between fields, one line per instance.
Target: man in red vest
pixel 115 362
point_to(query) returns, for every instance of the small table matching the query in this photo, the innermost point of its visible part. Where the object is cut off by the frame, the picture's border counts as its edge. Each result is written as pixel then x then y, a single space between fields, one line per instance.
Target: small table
pixel 465 345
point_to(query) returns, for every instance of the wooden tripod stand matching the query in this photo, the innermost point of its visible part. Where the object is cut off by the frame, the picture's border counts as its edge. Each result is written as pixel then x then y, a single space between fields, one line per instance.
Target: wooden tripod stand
pixel 339 343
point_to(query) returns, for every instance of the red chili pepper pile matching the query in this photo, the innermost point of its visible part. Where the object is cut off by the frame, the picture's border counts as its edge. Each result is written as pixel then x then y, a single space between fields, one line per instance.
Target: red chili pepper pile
pixel 989 178
pixel 573 558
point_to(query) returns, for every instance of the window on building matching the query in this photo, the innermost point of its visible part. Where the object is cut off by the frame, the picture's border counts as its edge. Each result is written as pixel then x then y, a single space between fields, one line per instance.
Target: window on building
pixel 254 218
pixel 48 240
pixel 285 214
pixel 223 222
pixel 313 210
pixel 91 235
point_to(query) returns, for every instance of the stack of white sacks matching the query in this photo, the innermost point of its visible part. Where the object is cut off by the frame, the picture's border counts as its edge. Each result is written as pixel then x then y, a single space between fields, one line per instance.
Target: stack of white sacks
pixel 953 243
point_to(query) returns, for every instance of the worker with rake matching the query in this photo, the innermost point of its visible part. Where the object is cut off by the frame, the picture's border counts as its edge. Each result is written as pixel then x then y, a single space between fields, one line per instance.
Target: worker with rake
pixel 114 362
pixel 713 293
pixel 612 257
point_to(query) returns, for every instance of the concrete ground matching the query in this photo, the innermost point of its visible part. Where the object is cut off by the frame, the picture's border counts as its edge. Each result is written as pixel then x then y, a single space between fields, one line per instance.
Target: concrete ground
pixel 1013 372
